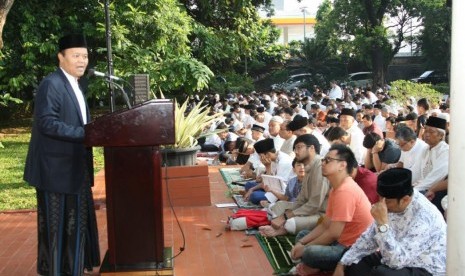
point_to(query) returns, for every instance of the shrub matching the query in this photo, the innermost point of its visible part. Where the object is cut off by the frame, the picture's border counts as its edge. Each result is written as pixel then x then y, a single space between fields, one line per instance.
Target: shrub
pixel 401 90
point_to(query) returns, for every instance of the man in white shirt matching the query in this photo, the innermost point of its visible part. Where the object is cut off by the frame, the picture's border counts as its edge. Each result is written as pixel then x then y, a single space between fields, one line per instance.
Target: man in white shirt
pixel 299 126
pixel 215 141
pixel 379 120
pixel 276 163
pixel 346 121
pixel 412 148
pixel 336 91
pixel 247 119
pixel 289 138
pixel 257 132
pixel 435 160
pixel 267 116
pixel 298 110
pixel 273 131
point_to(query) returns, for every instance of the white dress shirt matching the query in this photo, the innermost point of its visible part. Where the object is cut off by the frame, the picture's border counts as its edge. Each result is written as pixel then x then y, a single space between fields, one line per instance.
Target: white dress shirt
pixel 434 166
pixel 288 146
pixel 380 121
pixel 324 144
pixel 79 96
pixel 411 159
pixel 335 93
pixel 278 142
pixel 356 143
pixel 282 166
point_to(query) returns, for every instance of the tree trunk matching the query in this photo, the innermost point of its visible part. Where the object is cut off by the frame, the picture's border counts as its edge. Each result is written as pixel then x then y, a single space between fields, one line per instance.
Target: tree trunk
pixel 377 59
pixel 5 6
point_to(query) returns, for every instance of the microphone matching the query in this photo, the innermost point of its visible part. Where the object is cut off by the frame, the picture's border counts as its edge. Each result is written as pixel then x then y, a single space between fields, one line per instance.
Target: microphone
pixel 92 72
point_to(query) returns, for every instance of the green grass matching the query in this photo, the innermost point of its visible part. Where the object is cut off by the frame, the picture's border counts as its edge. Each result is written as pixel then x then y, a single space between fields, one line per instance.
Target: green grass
pixel 15 193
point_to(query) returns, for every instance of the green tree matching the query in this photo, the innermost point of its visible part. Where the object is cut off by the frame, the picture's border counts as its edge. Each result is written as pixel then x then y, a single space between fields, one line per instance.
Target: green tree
pixel 361 29
pixel 436 36
pixel 319 59
pixel 148 37
pixel 152 37
pixel 31 36
pixel 228 32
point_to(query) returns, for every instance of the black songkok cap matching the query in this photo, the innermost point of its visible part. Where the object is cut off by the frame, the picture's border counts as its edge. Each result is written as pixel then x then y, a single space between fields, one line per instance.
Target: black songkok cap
pixel 72 41
pixel 330 119
pixel 395 183
pixel 258 128
pixel 297 123
pixel 264 146
pixel 348 111
pixel 436 122
pixel 260 109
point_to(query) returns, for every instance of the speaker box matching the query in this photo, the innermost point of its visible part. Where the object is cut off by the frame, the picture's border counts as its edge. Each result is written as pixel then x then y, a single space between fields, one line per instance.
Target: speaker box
pixel 140 83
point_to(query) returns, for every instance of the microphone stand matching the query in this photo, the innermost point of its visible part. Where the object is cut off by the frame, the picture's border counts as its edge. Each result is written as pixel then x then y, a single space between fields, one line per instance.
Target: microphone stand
pixel 109 54
pixel 120 87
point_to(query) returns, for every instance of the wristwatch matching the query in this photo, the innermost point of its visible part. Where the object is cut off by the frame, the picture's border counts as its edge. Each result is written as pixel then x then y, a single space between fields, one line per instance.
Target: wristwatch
pixel 383 228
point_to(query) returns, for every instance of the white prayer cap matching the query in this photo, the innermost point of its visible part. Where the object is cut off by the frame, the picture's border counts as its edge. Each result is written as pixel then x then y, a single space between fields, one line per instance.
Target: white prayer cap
pixel 238 126
pixel 278 119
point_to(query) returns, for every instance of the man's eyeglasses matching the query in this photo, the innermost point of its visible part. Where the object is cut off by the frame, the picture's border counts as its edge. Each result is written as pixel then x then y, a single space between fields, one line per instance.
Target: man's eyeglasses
pixel 297 148
pixel 328 159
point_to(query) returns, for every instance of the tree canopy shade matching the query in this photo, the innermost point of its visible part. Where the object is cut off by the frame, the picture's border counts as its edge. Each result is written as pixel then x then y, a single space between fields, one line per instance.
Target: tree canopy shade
pixel 227 31
pixel 178 47
pixel 360 28
pixel 436 37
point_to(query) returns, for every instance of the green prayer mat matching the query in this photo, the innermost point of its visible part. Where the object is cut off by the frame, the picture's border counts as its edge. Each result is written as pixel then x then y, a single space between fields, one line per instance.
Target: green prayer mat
pixel 231 175
pixel 276 250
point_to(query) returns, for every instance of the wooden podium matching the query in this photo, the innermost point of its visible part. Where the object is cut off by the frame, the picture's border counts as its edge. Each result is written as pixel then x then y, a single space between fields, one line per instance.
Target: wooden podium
pixel 133 185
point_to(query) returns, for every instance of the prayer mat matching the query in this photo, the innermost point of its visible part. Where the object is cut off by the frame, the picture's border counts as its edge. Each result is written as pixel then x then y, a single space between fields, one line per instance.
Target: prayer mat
pixel 241 203
pixel 276 250
pixel 232 176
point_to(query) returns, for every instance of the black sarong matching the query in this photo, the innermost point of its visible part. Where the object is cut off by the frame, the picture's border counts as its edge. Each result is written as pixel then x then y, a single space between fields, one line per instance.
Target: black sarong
pixel 67 233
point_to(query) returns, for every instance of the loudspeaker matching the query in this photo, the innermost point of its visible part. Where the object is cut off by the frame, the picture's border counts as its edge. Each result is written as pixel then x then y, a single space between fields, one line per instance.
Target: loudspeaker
pixel 141 85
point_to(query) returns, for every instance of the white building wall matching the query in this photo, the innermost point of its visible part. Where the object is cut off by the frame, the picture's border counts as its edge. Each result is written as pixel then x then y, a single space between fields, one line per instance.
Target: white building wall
pixel 292 9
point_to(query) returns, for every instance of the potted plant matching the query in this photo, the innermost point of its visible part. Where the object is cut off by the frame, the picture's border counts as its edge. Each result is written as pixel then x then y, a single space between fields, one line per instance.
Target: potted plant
pixel 189 126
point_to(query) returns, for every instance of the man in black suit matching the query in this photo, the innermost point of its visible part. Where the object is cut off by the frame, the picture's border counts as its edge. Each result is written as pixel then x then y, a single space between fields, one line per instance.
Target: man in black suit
pixel 60 167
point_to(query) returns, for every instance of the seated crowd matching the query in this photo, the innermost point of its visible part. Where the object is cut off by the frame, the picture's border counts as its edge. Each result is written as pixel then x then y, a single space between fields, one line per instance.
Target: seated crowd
pixel 365 178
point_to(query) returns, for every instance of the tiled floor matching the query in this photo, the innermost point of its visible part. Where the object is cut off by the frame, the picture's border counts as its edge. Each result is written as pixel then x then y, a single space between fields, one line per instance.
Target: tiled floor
pixel 206 252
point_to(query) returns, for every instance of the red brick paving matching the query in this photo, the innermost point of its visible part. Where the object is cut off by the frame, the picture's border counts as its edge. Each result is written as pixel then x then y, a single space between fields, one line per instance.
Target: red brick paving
pixel 205 254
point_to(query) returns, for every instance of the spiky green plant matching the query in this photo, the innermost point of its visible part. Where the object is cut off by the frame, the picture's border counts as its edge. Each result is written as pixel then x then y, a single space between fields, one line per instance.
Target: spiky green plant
pixel 190 126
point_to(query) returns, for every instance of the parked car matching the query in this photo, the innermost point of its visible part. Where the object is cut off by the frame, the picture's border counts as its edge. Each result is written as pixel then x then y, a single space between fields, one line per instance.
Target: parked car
pixel 433 77
pixel 358 79
pixel 294 81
